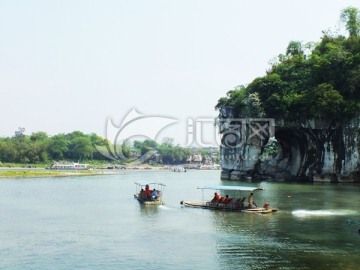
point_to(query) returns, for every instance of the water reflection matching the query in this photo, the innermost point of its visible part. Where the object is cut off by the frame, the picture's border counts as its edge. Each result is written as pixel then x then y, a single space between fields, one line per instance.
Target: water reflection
pixel 149 209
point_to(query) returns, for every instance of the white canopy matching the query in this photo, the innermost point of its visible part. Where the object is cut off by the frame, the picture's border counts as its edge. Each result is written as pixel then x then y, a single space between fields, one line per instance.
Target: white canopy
pixel 144 183
pixel 236 188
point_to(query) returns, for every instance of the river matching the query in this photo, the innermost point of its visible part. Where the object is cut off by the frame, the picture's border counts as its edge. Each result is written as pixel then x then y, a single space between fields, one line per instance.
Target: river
pixel 93 222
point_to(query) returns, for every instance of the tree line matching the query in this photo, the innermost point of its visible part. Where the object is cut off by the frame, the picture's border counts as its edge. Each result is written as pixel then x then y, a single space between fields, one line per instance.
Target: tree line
pixel 167 152
pixel 39 147
pixel 312 80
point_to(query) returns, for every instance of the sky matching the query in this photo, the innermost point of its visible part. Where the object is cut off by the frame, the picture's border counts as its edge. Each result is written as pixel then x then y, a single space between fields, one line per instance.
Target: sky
pixel 82 64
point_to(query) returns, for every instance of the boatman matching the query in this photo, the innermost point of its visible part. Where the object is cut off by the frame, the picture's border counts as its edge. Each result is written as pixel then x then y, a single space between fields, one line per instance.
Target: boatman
pixel 251 200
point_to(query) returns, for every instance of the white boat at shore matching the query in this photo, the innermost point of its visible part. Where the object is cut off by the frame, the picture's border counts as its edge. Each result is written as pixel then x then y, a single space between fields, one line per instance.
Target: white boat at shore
pixel 69 166
pixel 178 169
pixel 236 203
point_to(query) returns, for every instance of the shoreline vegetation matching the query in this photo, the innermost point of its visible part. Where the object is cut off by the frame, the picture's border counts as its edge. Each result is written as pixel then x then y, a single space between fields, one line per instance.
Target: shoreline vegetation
pixel 34 155
pixel 39 148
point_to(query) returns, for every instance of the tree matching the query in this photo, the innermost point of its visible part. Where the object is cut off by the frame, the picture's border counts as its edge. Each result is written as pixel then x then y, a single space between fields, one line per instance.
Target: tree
pixel 81 147
pixel 253 106
pixel 294 48
pixel 324 102
pixel 351 17
pixel 167 141
pixel 125 148
pixel 325 73
pixel 39 136
pixel 101 143
pixel 58 146
pixel 8 151
pixel 266 86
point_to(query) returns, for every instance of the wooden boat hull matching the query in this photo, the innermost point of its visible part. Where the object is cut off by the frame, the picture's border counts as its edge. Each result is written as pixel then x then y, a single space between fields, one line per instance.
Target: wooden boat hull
pixel 227 207
pixel 260 210
pixel 149 202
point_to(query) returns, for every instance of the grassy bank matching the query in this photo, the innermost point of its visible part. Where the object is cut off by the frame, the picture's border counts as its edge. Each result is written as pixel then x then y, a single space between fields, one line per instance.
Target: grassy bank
pixel 19 173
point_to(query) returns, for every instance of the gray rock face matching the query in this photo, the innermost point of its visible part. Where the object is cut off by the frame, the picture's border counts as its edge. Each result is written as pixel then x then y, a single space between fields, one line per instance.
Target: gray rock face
pixel 267 149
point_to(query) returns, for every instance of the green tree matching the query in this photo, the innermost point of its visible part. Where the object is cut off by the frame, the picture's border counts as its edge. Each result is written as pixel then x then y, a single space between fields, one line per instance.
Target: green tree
pixel 98 141
pixel 295 48
pixel 253 106
pixel 326 72
pixel 167 141
pixel 351 17
pixel 266 86
pixel 8 151
pixel 58 147
pixel 125 148
pixel 325 102
pixel 81 147
pixel 39 136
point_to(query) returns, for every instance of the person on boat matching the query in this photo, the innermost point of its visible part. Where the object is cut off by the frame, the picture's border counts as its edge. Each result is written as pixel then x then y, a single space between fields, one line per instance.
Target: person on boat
pixel 240 202
pixel 225 199
pixel 142 194
pixel 147 191
pixel 216 198
pixel 154 194
pixel 251 200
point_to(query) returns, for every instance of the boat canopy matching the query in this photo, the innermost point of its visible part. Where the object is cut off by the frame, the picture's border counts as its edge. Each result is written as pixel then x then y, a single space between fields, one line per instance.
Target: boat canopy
pixel 144 183
pixel 235 188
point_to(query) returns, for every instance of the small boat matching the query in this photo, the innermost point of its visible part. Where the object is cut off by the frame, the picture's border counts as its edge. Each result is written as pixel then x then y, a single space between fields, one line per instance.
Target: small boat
pixel 69 166
pixel 235 203
pixel 149 193
pixel 178 169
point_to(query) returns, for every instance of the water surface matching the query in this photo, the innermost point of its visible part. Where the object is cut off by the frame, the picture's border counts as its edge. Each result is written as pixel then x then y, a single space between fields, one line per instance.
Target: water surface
pixel 94 223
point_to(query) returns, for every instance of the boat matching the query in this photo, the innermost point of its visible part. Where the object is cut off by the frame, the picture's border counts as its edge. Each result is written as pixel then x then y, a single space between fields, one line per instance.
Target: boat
pixel 178 169
pixel 208 167
pixel 69 166
pixel 149 199
pixel 235 203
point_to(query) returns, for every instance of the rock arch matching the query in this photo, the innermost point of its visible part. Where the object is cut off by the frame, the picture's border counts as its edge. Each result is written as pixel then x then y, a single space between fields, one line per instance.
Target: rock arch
pixel 313 150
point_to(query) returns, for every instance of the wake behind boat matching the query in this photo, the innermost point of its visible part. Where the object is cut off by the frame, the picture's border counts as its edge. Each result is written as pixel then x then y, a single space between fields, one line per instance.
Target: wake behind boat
pixel 235 203
pixel 149 193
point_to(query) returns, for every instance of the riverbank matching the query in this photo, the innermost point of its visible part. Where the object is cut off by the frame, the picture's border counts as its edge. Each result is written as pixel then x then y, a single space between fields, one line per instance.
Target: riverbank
pixel 21 173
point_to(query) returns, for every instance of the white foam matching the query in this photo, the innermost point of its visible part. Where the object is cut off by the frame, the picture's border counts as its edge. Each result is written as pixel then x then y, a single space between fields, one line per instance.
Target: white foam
pixel 163 207
pixel 308 213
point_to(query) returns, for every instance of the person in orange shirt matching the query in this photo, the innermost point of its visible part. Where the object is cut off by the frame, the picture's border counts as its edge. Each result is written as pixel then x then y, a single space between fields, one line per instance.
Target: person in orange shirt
pixel 225 199
pixel 216 198
pixel 147 191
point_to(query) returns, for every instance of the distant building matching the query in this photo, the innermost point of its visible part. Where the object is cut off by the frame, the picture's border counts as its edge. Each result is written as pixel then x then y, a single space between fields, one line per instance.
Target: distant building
pixel 197 158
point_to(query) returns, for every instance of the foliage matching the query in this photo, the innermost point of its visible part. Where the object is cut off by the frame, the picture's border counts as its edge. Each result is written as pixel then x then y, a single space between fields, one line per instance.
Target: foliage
pixel 351 17
pixel 39 148
pixel 168 153
pixel 310 80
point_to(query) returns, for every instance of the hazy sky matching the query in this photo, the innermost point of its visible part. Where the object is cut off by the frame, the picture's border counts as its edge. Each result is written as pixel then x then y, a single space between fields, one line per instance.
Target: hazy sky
pixel 69 65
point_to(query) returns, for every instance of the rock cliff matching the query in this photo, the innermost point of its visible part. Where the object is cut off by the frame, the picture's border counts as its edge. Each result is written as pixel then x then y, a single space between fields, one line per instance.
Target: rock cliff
pixel 314 150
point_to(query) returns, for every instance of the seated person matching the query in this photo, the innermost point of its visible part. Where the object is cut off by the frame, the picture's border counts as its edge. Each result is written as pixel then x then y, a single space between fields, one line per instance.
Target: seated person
pixel 142 194
pixel 154 194
pixel 240 201
pixel 225 199
pixel 216 198
pixel 148 193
